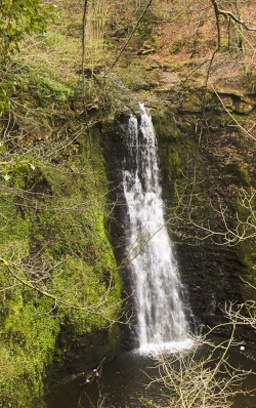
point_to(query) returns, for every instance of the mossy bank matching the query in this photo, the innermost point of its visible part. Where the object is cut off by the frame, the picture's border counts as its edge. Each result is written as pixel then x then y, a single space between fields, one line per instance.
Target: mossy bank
pixel 60 285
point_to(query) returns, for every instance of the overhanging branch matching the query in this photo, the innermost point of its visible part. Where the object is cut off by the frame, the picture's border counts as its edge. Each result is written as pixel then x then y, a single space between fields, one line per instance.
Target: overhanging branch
pixel 227 13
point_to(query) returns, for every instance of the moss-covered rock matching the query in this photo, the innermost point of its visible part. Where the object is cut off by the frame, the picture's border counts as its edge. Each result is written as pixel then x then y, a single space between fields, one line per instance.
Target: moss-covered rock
pixel 53 237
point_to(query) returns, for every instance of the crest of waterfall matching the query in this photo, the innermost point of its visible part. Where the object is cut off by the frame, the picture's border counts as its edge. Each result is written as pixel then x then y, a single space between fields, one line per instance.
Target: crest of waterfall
pixel 162 324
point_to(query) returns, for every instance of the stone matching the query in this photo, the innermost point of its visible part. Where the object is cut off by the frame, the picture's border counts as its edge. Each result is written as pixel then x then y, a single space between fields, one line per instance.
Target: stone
pixel 153 66
pixel 243 107
pixel 191 104
pixel 156 64
pixel 237 86
pixel 148 51
pixel 228 102
pixel 250 99
pixel 147 45
pixel 229 90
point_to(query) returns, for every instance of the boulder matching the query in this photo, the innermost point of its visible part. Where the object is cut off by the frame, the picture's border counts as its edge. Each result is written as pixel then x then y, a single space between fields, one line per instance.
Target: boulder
pixel 240 86
pixel 228 102
pixel 243 107
pixel 191 104
pixel 250 99
pixel 148 51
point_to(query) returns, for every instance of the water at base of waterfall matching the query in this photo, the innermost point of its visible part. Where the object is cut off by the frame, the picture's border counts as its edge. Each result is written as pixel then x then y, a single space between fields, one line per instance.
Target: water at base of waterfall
pixel 156 349
pixel 128 378
pixel 162 324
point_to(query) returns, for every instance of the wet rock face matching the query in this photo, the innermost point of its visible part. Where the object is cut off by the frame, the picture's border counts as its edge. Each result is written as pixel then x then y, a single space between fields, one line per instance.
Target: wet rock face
pixel 211 279
pixel 210 274
pixel 212 282
pixel 114 154
pixel 82 353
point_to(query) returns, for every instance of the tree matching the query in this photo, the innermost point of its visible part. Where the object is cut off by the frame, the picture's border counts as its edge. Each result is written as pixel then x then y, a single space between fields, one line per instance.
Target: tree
pixel 18 19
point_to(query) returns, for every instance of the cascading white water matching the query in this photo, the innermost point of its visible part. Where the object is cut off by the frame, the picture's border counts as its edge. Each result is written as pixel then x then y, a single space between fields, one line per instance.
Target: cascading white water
pixel 162 323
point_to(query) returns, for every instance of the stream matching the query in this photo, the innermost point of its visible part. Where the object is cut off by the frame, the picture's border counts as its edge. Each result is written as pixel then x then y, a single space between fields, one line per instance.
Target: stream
pixel 124 384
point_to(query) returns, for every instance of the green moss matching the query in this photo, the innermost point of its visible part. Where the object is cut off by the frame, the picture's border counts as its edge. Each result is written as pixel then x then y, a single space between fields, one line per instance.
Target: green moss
pixel 27 345
pixel 27 335
pixel 175 47
pixel 54 238
pixel 46 87
pixel 177 66
pixel 239 173
pixel 165 126
pixel 174 144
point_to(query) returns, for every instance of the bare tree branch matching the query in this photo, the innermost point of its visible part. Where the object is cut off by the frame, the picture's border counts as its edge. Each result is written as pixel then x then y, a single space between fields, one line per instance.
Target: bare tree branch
pixel 227 13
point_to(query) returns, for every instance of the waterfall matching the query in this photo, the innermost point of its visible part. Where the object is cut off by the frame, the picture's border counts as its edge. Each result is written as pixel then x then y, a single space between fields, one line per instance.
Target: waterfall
pixel 162 323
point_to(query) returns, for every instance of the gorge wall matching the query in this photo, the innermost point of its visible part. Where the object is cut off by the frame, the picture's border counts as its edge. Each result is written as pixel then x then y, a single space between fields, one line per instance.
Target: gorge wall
pixel 206 163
